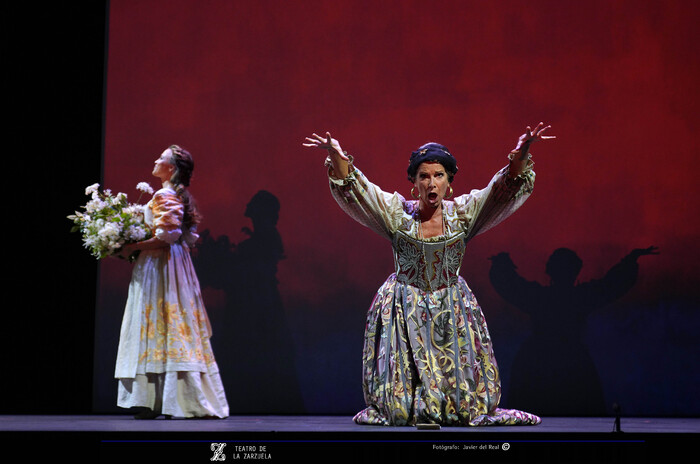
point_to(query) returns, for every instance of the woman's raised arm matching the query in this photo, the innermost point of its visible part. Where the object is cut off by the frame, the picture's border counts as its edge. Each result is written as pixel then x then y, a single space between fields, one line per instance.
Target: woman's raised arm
pixel 521 153
pixel 339 160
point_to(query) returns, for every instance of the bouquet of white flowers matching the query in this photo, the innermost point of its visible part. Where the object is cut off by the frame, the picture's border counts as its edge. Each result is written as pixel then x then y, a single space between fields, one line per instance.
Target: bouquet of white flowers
pixel 110 221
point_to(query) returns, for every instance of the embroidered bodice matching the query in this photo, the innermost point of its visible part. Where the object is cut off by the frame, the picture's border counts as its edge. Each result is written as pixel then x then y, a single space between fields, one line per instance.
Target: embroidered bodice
pixel 428 265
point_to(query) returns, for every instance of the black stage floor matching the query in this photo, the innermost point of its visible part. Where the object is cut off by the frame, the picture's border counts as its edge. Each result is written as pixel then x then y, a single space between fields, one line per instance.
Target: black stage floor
pixel 120 438
pixel 126 423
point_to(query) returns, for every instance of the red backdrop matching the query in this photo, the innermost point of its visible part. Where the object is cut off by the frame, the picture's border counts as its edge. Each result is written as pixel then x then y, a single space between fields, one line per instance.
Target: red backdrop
pixel 241 83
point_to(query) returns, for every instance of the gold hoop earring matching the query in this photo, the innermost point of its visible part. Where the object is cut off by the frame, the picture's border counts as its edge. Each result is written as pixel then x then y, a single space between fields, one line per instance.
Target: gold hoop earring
pixel 413 193
pixel 451 193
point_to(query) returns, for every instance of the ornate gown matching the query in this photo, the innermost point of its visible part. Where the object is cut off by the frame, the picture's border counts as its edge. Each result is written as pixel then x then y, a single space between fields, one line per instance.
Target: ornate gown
pixel 165 360
pixel 427 355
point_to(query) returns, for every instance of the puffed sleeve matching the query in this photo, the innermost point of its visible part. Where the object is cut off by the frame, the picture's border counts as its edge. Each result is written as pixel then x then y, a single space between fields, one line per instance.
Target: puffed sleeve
pixel 480 210
pixel 366 203
pixel 168 211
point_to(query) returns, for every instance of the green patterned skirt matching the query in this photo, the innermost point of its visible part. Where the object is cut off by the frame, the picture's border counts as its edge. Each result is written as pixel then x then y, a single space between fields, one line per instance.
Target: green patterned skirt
pixel 428 358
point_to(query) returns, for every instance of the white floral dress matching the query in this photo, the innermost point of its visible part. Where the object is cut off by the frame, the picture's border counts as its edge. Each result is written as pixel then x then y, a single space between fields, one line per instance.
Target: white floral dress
pixel 165 361
pixel 428 356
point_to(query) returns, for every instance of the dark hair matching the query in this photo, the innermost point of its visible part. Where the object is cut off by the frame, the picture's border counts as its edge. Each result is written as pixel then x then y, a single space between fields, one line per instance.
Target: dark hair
pixel 184 167
pixel 432 152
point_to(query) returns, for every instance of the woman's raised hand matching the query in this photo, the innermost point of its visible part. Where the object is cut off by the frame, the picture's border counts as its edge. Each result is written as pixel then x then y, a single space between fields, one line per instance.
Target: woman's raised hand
pixel 530 136
pixel 329 143
pixel 338 158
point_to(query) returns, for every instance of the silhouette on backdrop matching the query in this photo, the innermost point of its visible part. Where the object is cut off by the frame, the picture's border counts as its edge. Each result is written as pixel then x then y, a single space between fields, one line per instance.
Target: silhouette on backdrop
pixel 257 351
pixel 553 372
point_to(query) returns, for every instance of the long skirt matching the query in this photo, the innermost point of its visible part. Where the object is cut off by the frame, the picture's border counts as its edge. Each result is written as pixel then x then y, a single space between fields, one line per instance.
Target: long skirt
pixel 428 358
pixel 165 361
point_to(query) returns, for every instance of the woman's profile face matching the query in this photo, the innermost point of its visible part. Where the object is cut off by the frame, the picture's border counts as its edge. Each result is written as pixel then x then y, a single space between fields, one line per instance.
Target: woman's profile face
pixel 163 168
pixel 431 183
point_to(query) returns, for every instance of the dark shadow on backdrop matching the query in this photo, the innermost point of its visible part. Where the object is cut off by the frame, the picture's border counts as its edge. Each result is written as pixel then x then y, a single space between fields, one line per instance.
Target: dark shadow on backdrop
pixel 252 340
pixel 553 372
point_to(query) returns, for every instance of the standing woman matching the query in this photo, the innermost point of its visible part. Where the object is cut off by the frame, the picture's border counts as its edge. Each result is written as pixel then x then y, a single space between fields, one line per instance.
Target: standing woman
pixel 427 354
pixel 165 363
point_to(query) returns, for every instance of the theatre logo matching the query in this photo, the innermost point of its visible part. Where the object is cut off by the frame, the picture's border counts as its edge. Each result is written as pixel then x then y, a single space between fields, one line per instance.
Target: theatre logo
pixel 239 452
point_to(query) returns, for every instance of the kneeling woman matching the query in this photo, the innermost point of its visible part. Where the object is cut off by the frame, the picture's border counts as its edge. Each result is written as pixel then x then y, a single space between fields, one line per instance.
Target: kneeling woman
pixel 427 354
pixel 165 363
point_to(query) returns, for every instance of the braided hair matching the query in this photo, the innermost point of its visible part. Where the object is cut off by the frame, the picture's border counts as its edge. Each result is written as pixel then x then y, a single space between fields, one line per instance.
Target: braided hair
pixel 184 166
